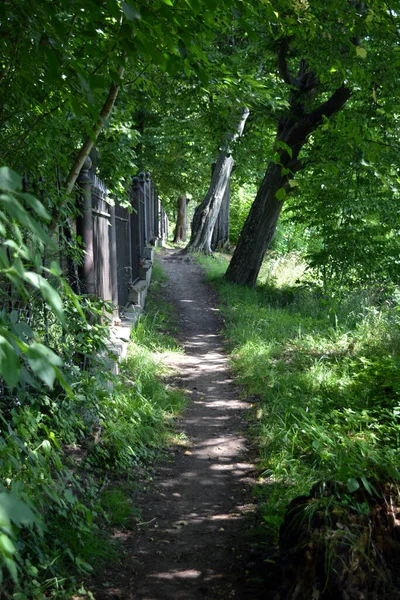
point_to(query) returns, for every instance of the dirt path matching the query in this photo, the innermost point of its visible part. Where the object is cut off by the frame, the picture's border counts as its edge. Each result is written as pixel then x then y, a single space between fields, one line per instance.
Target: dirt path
pixel 192 546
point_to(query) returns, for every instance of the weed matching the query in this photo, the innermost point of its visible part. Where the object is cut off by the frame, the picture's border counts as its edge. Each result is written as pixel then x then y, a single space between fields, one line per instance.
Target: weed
pixel 118 507
pixel 156 326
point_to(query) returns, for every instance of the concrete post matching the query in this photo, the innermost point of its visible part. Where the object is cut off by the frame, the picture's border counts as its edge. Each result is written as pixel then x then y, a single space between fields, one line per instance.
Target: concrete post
pixel 114 264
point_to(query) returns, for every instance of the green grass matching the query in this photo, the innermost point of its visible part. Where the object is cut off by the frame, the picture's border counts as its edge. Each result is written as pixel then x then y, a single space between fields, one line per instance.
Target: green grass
pixel 324 376
pixel 157 325
pixel 118 506
pixel 137 418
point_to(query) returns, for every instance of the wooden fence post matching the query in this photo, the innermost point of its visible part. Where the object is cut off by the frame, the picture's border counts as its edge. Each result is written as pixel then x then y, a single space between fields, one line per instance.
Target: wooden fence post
pixel 143 186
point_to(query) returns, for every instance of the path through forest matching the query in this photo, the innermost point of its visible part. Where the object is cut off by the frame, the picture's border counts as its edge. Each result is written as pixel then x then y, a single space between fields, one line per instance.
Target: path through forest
pixel 193 544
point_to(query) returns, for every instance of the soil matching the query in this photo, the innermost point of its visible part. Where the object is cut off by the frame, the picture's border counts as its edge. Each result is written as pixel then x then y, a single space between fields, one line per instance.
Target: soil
pixel 192 541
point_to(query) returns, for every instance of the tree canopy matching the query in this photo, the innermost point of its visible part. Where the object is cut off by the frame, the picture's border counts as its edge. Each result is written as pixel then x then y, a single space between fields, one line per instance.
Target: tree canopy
pixel 159 86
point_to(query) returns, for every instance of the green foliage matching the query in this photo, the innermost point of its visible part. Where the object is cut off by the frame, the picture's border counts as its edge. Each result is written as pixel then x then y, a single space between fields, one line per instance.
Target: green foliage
pixel 118 507
pixel 55 452
pixel 349 231
pixel 242 197
pixel 156 325
pixel 324 376
pixel 58 66
pixel 65 421
pixel 326 371
pixel 30 283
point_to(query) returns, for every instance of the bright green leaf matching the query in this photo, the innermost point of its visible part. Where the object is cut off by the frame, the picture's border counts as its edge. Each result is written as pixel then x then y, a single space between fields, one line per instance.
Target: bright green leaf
pixel 43 361
pixel 10 180
pixel 12 508
pixel 361 52
pixel 9 363
pixel 280 194
pixel 36 205
pixel 70 497
pixel 352 485
pixel 49 294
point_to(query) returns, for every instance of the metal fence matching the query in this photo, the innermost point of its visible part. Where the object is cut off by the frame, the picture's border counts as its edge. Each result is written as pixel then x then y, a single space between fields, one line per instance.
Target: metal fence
pixel 115 238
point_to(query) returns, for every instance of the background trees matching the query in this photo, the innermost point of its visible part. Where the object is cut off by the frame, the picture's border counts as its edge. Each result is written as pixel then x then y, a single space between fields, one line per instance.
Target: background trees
pixel 166 82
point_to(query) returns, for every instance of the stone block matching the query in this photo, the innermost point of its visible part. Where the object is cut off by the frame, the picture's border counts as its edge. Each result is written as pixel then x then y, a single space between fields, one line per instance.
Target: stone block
pixel 148 253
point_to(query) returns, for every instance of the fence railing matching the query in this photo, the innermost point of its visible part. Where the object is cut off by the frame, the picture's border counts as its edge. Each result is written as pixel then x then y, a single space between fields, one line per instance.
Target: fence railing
pixel 115 238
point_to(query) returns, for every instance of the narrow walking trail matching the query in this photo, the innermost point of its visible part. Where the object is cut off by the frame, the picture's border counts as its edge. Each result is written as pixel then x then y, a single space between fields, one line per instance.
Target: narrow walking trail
pixel 193 544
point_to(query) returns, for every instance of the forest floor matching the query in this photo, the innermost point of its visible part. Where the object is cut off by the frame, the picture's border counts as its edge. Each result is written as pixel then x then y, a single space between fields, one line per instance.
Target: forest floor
pixel 192 542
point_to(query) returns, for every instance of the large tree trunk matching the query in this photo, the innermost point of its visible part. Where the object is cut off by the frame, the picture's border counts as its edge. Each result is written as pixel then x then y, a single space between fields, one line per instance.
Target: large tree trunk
pixel 293 131
pixel 181 220
pixel 258 229
pixel 220 235
pixel 206 214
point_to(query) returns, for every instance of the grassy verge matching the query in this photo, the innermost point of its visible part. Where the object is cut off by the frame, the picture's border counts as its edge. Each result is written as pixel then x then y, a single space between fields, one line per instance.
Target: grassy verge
pixel 325 379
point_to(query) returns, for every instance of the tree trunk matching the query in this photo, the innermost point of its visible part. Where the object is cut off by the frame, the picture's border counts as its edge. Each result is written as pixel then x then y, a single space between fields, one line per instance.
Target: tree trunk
pixel 220 235
pixel 293 131
pixel 206 214
pixel 258 229
pixel 90 139
pixel 181 220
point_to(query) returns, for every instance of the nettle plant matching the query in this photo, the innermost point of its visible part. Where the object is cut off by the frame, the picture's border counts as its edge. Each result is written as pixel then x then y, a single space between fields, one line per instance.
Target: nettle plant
pixel 42 390
pixel 26 363
pixel 24 275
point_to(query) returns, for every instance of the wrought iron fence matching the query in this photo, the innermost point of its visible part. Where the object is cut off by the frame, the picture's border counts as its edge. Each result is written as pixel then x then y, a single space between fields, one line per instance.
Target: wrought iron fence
pixel 115 238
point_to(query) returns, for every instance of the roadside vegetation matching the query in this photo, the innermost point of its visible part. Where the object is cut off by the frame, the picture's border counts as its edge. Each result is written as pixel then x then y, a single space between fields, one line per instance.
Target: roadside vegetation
pixel 323 373
pixel 74 439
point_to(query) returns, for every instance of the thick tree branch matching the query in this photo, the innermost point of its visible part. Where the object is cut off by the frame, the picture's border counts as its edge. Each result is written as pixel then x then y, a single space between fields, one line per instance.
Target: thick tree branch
pixel 232 137
pixel 282 63
pixel 206 214
pixel 333 105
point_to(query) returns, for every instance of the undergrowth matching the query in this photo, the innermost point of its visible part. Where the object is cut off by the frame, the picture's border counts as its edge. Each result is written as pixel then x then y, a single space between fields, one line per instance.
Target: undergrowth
pixel 324 377
pixel 65 452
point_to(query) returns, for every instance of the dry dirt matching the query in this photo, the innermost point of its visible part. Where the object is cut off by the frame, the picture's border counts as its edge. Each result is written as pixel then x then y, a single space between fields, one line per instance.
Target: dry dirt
pixel 192 543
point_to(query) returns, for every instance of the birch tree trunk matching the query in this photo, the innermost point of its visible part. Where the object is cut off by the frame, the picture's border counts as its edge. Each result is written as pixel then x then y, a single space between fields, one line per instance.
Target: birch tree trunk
pixel 220 235
pixel 206 214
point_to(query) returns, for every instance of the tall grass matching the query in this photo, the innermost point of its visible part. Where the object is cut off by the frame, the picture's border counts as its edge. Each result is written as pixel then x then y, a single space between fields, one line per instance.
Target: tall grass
pixel 157 325
pixel 324 377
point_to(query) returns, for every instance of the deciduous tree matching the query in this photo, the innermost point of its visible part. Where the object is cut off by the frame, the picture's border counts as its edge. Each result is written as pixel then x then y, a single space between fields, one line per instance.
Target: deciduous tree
pixel 330 67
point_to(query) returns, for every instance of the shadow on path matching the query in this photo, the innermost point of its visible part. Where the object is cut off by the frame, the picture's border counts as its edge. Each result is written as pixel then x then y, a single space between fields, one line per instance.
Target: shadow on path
pixel 191 545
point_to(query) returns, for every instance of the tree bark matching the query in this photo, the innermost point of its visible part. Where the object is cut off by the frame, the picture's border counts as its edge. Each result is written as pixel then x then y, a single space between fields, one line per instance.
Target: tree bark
pixel 258 230
pixel 90 139
pixel 220 235
pixel 181 220
pixel 293 131
pixel 206 214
